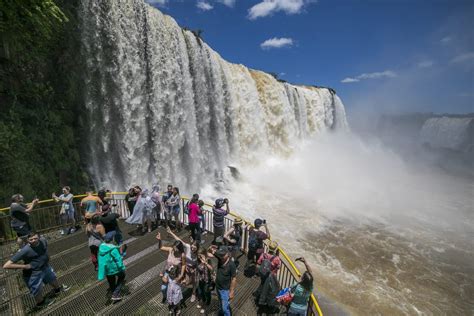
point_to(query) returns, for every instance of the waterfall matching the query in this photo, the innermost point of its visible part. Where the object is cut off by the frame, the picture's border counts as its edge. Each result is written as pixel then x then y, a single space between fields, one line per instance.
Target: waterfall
pixel 448 132
pixel 163 106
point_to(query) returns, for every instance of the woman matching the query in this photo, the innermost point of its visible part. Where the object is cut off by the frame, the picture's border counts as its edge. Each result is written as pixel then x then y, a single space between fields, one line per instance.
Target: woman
pixel 67 213
pixel 202 217
pixel 156 198
pixel 95 232
pixel 131 199
pixel 143 212
pixel 111 267
pixel 301 292
pixel 176 257
pixel 204 281
pixel 234 238
pixel 173 204
pixel 191 251
pixel 174 294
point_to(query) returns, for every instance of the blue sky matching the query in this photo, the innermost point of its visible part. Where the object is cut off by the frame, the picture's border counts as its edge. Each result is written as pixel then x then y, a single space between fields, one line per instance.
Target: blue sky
pixel 379 55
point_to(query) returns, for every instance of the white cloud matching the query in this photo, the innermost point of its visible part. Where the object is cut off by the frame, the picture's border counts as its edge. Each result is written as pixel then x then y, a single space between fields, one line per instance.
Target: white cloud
pixel 463 58
pixel 276 43
pixel 202 5
pixel 425 64
pixel 349 80
pixel 372 75
pixel 268 7
pixel 229 3
pixel 160 3
pixel 446 40
pixel 282 73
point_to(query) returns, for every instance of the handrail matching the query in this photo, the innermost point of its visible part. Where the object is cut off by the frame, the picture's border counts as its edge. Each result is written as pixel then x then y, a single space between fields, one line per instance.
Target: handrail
pixel 292 269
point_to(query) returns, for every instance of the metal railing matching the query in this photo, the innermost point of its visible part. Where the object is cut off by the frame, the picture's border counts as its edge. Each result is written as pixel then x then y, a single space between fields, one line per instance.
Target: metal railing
pixel 45 217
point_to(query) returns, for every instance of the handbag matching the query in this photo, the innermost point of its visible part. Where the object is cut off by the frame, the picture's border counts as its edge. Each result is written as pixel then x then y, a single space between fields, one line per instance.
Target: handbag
pixel 285 296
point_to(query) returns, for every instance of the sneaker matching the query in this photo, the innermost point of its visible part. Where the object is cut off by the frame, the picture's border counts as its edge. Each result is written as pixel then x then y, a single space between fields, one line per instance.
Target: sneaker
pixel 61 232
pixel 116 298
pixel 72 230
pixel 63 288
pixel 123 249
pixel 202 311
pixel 47 301
pixel 198 306
pixel 193 298
pixel 204 233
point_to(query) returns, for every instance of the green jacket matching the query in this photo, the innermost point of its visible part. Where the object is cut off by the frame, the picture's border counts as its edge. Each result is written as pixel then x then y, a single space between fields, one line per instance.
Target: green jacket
pixel 110 260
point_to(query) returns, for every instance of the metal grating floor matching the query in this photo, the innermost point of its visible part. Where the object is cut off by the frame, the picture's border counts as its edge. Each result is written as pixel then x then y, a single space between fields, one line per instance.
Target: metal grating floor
pixel 142 294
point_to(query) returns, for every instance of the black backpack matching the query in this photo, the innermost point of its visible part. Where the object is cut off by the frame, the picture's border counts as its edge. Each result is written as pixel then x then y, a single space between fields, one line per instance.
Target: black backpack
pixel 254 242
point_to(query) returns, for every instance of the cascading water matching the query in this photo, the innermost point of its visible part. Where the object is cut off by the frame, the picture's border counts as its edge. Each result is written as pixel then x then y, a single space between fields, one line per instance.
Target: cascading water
pixel 162 105
pixel 448 132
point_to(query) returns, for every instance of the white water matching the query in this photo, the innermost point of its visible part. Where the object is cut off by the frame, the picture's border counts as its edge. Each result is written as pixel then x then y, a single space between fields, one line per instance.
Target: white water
pixel 163 105
pixel 384 237
pixel 447 132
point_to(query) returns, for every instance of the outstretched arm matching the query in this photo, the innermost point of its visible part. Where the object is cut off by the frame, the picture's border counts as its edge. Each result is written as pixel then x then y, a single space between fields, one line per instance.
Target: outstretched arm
pixel 227 235
pixel 10 265
pixel 160 244
pixel 168 230
pixel 267 231
pixel 308 268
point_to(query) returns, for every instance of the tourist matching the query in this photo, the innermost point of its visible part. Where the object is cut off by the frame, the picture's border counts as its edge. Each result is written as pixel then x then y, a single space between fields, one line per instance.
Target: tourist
pixel 202 217
pixel 301 292
pixel 131 199
pixel 256 239
pixel 19 213
pixel 104 195
pixel 143 212
pixel 95 232
pixel 174 293
pixel 269 264
pixel 204 280
pixel 92 205
pixel 173 203
pixel 193 218
pixel 156 198
pixel 191 251
pixel 111 267
pixel 226 280
pixel 67 213
pixel 111 226
pixel 176 257
pixel 167 209
pixel 234 239
pixel 36 268
pixel 219 215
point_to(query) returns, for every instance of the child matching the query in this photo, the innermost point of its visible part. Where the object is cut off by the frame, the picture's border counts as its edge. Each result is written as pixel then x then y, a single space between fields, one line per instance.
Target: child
pixel 174 294
pixel 204 281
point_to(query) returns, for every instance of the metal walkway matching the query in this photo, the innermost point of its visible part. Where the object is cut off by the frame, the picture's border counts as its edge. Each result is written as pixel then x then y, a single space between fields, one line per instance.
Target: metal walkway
pixel 87 296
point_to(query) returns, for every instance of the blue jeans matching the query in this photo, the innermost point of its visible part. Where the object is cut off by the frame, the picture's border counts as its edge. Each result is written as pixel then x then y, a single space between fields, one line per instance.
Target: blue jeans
pixel 296 312
pixel 37 278
pixel 224 303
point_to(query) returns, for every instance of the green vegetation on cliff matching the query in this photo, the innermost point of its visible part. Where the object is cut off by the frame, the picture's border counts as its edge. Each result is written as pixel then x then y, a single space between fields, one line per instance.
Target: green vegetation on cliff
pixel 39 98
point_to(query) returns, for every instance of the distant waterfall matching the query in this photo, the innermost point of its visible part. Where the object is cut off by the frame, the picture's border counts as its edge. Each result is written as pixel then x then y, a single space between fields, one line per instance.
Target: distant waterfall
pixel 455 133
pixel 163 106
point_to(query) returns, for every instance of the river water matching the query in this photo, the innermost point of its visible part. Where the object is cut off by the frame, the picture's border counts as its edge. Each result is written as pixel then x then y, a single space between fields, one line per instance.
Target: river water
pixel 383 237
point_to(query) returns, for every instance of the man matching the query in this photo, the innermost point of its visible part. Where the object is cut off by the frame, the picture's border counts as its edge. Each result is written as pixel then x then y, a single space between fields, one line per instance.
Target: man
pixel 219 215
pixel 256 239
pixel 269 264
pixel 112 229
pixel 226 280
pixel 67 213
pixel 167 209
pixel 19 212
pixel 36 268
pixel 92 205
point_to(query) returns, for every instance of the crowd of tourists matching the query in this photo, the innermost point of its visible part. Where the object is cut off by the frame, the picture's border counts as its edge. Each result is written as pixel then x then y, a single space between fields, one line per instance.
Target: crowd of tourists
pixel 189 265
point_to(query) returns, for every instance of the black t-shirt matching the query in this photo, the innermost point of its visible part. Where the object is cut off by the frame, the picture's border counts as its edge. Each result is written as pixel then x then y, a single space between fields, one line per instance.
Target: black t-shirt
pixel 109 221
pixel 18 214
pixel 225 273
pixel 37 256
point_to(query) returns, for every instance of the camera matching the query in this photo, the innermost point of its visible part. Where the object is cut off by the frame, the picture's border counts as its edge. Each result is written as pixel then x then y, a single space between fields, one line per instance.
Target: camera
pixel 264 221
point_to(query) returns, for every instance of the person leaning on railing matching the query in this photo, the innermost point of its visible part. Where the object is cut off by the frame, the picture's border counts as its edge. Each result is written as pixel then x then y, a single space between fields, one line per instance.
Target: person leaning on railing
pixel 19 212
